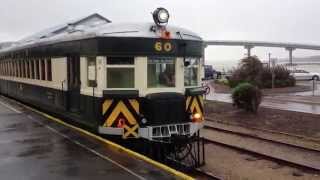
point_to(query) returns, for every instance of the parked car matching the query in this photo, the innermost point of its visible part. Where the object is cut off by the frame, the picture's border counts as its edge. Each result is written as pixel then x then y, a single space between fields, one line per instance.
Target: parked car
pixel 209 72
pixel 299 74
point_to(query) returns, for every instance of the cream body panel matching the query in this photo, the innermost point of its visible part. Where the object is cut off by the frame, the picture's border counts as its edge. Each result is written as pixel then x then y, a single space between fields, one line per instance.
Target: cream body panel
pixel 59 72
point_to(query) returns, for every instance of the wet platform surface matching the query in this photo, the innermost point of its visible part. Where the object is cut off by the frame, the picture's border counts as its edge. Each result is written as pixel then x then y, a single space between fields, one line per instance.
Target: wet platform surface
pixel 33 147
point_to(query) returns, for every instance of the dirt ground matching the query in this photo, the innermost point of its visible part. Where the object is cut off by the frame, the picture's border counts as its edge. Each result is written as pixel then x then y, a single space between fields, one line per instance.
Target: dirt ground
pixel 302 124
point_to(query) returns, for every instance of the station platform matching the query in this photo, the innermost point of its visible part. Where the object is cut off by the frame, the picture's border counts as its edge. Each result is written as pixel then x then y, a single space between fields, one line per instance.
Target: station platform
pixel 34 147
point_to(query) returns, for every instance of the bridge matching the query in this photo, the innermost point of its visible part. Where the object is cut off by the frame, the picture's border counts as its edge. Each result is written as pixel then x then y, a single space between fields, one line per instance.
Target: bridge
pixel 248 45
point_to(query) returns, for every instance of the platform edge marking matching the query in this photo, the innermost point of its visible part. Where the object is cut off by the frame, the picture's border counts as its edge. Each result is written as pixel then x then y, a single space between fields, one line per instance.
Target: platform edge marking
pixel 168 169
pixel 10 107
pixel 87 148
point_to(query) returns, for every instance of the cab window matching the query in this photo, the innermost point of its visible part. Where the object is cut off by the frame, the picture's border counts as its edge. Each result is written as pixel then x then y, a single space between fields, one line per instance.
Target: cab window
pixel 191 72
pixel 161 72
pixel 120 72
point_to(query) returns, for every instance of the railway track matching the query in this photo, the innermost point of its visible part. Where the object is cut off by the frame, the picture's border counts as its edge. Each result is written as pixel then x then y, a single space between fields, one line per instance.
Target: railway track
pixel 270 132
pixel 290 154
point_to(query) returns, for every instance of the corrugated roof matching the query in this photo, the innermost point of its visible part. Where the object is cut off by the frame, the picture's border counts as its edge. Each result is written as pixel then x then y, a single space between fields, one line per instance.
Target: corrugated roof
pixel 93 18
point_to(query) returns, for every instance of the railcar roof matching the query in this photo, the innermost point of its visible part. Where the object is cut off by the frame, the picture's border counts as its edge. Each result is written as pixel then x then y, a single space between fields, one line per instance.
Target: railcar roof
pixel 93 26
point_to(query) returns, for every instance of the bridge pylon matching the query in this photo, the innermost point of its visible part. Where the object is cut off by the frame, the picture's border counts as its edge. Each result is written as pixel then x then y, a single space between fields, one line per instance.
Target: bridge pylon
pixel 248 48
pixel 290 50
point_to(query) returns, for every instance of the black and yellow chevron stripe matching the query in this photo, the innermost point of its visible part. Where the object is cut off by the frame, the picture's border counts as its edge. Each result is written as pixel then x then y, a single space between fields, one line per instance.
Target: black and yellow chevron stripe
pixel 127 110
pixel 194 104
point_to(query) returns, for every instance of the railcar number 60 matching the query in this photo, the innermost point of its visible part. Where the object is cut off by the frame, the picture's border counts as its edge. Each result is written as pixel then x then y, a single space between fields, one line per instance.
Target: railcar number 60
pixel 160 46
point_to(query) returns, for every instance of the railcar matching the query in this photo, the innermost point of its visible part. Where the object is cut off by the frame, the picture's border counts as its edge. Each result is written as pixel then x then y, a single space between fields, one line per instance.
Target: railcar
pixel 130 80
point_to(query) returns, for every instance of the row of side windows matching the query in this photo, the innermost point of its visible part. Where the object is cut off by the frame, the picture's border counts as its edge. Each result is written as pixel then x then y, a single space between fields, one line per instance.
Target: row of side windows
pixel 39 69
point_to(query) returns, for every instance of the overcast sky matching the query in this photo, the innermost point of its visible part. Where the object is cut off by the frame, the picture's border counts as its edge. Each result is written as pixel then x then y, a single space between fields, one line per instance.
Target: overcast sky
pixel 261 20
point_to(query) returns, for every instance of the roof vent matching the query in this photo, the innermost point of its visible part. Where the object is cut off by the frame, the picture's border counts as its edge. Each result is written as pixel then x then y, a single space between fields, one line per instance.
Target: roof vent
pixel 70 27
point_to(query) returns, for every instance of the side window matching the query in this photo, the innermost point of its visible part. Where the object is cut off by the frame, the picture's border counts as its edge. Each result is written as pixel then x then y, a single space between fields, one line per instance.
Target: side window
pixel 27 67
pixel 9 67
pixel 92 72
pixel 37 71
pixel 20 69
pixel 9 64
pixel 32 70
pixel 15 68
pixel 49 70
pixel 23 69
pixel 31 73
pixel 120 72
pixel 43 69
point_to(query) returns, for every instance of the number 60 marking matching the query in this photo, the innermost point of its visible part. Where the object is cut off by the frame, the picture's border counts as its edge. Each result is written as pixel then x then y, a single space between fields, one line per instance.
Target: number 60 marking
pixel 159 46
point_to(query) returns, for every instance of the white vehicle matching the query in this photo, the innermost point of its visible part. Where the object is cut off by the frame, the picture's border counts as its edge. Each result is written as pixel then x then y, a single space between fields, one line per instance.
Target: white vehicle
pixel 304 75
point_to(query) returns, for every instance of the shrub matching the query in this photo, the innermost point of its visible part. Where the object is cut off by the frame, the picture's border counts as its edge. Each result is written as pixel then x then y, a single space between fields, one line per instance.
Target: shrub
pixel 249 70
pixel 252 71
pixel 266 78
pixel 247 96
pixel 221 81
pixel 282 77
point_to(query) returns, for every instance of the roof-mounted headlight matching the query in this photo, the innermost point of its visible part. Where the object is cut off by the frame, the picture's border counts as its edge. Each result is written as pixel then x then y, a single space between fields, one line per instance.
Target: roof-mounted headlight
pixel 161 16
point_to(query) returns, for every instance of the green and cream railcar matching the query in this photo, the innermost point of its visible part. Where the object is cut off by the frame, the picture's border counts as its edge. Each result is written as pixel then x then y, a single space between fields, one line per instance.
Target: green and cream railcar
pixel 129 80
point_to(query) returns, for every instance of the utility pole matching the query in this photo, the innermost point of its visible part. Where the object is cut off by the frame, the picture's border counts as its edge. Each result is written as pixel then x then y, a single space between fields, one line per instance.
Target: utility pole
pixel 273 61
pixel 269 54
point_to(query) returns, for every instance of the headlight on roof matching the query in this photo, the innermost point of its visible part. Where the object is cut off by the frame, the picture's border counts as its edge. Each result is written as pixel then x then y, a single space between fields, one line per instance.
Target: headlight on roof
pixel 161 16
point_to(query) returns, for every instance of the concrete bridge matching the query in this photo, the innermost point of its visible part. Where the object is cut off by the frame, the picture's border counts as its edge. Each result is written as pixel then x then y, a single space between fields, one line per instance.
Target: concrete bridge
pixel 248 45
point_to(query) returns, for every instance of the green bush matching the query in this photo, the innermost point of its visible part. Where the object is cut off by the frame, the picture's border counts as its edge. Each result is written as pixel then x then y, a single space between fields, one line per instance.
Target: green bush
pixel 246 96
pixel 266 77
pixel 249 70
pixel 282 77
pixel 236 78
pixel 221 81
pixel 252 71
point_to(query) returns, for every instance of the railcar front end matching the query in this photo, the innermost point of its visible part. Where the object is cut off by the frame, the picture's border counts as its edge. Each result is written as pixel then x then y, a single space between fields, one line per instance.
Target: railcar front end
pixel 134 81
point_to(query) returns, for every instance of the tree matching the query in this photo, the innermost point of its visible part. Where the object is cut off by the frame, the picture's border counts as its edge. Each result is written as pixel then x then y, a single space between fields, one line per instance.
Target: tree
pixel 249 70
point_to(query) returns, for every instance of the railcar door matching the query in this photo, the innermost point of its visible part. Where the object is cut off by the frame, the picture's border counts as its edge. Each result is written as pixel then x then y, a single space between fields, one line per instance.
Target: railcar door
pixel 73 66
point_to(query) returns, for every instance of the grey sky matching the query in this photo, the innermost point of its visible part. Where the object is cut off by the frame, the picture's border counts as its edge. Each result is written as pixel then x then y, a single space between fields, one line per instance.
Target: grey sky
pixel 263 20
